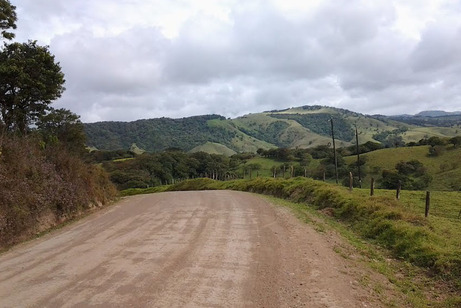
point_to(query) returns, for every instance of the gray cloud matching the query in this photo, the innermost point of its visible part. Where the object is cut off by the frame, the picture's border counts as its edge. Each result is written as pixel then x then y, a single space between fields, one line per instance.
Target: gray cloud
pixel 122 63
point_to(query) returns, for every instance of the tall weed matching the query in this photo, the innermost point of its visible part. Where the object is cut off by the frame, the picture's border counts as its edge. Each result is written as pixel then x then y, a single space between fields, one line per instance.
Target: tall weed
pixel 42 187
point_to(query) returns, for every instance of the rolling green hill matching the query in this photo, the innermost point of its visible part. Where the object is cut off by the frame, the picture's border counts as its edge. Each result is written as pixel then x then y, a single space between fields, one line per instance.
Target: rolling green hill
pixel 302 127
pixel 445 169
pixel 213 148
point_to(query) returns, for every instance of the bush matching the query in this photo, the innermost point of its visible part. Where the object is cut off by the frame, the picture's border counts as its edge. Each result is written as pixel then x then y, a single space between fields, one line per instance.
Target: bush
pixel 436 150
pixel 38 185
pixel 410 175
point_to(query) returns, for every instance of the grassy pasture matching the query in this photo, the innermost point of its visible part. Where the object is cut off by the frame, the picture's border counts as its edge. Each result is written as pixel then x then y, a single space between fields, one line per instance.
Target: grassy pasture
pixel 214 148
pixel 445 169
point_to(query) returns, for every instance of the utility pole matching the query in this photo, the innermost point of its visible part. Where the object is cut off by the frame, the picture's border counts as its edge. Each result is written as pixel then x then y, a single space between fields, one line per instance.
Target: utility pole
pixel 358 155
pixel 334 150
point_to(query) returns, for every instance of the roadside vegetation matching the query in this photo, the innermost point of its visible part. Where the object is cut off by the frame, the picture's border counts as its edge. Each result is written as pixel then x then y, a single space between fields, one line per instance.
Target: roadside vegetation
pixel 43 179
pixel 416 166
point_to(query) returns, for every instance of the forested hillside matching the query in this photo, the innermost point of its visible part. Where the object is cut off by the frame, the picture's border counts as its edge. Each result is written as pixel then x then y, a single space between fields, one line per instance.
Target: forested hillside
pixel 303 127
pixel 158 134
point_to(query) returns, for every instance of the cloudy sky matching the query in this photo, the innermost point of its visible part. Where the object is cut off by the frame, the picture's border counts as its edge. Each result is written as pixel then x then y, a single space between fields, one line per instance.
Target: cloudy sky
pixel 132 59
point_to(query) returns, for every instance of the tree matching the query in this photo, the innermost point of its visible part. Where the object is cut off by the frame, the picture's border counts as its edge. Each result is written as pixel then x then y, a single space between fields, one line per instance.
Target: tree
pixel 433 141
pixel 253 167
pixel 7 19
pixel 456 141
pixel 412 167
pixel 64 127
pixel 30 80
pixel 410 175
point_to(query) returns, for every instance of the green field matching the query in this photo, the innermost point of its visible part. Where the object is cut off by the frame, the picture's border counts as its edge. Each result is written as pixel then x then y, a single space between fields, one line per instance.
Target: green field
pixel 213 148
pixel 445 169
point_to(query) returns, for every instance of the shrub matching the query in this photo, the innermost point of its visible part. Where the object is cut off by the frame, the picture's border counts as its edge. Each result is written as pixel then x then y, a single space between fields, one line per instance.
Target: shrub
pixel 38 185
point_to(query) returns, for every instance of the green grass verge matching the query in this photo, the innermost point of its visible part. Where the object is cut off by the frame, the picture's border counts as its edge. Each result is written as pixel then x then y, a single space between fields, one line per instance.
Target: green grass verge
pixel 138 191
pixel 415 288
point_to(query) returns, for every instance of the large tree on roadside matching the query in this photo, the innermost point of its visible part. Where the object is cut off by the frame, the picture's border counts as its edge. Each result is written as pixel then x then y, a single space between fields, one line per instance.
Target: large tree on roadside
pixel 30 80
pixel 7 19
pixel 62 127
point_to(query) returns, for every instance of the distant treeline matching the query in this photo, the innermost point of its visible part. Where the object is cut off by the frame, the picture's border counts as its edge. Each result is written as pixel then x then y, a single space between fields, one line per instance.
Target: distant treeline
pixel 319 123
pixel 158 134
pixel 128 170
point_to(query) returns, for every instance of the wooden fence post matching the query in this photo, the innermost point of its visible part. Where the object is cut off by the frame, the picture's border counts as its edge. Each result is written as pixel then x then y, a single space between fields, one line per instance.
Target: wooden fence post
pixel 428 203
pixel 399 187
pixel 351 181
pixel 372 187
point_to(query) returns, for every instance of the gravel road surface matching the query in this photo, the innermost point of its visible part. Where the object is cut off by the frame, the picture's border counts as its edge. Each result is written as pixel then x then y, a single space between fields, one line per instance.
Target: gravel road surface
pixel 183 249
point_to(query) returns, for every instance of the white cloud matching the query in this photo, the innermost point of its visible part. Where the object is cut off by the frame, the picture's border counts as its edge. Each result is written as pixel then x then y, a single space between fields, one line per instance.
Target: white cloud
pixel 133 59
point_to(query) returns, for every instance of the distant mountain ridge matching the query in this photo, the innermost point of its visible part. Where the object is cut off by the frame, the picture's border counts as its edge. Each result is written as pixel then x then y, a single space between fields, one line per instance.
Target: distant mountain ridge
pixel 437 113
pixel 303 127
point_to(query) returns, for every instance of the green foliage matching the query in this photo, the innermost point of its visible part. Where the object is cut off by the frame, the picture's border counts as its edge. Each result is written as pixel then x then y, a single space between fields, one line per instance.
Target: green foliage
pixel 61 127
pixel 410 175
pixel 327 167
pixel 7 19
pixel 270 133
pixel 158 134
pixel 29 81
pixel 320 124
pixel 137 191
pixel 368 146
pixel 282 154
pixel 434 141
pixel 303 127
pixel 436 150
pixel 154 169
pixel 456 141
pixel 321 151
pixel 391 139
pixel 42 180
pixel 412 167
pixel 445 169
pixel 383 136
pixel 101 156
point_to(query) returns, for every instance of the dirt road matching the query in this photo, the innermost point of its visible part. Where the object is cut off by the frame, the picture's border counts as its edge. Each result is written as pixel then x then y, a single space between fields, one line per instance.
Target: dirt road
pixel 183 249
